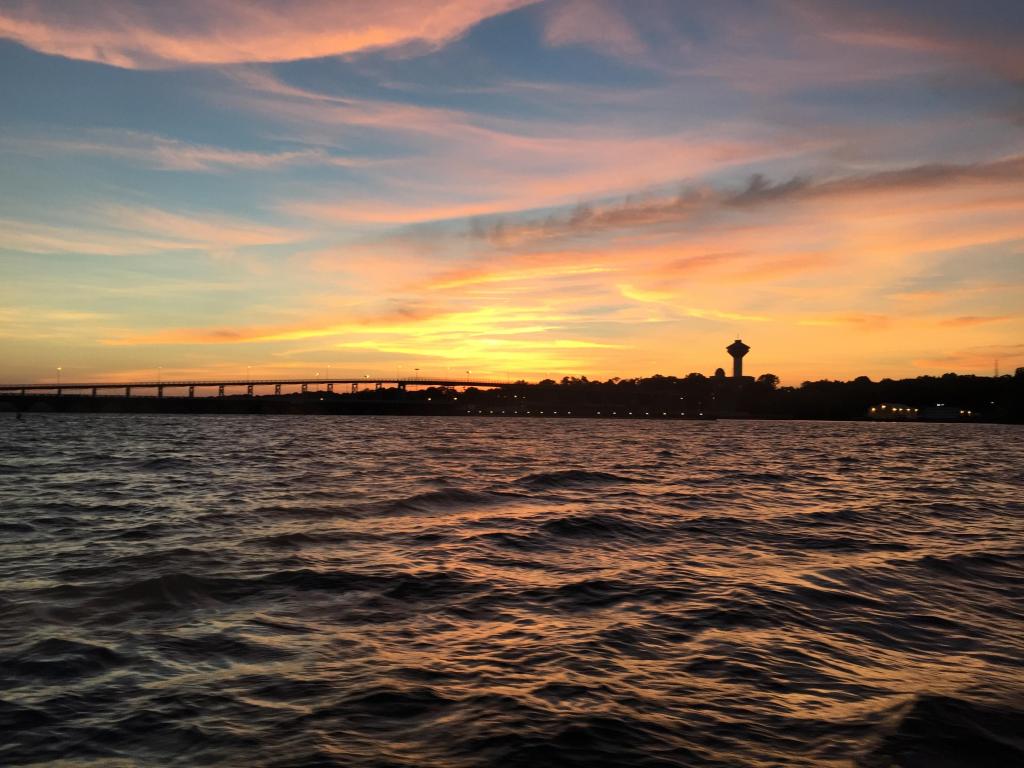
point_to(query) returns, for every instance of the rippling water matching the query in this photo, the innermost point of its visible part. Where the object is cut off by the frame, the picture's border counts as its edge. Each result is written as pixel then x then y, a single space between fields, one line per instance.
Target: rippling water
pixel 318 591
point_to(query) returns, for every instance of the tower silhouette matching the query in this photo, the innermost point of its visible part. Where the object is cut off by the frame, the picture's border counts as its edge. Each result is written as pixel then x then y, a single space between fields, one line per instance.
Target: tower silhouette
pixel 737 349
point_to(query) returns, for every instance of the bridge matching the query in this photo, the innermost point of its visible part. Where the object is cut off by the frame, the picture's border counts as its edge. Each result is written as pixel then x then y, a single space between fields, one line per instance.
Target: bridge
pixel 158 387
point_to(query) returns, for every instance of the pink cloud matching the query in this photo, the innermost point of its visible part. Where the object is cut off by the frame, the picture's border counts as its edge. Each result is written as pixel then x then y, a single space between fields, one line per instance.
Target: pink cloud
pixel 143 35
pixel 984 36
pixel 592 22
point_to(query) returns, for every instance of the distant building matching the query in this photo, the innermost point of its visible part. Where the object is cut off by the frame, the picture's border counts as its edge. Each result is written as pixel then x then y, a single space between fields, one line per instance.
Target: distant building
pixel 944 412
pixel 737 349
pixel 892 412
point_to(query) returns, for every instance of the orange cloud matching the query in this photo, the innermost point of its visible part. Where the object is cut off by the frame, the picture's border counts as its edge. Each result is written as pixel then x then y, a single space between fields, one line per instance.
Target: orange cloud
pixel 965 321
pixel 496 338
pixel 507 273
pixel 864 321
pixel 974 358
pixel 143 35
pixel 424 324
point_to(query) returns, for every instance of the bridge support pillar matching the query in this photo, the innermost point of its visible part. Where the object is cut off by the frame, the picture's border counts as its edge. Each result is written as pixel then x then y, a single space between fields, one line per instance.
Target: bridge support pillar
pixel 94 392
pixel 305 387
pixel 220 390
pixel 127 391
pixel 277 389
pixel 378 385
pixel 401 386
pixel 248 390
pixel 191 391
pixel 59 391
pixel 23 393
pixel 159 391
pixel 355 388
pixel 330 386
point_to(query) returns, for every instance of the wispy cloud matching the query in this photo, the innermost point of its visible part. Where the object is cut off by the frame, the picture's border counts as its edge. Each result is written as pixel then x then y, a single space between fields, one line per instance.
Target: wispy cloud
pixel 123 230
pixel 162 153
pixel 447 163
pixel 41 323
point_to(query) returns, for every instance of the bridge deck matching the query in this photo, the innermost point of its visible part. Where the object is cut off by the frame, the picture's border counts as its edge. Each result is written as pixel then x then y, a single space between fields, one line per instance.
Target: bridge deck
pixel 197 383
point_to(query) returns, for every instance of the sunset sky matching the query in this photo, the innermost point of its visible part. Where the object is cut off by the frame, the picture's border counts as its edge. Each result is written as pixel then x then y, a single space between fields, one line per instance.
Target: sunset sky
pixel 516 188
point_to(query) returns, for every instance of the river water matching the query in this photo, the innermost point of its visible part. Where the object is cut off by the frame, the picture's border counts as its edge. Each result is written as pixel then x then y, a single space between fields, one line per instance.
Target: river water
pixel 379 591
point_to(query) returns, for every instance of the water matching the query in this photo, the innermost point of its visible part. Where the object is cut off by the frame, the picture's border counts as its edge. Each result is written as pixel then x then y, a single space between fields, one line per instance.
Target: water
pixel 319 591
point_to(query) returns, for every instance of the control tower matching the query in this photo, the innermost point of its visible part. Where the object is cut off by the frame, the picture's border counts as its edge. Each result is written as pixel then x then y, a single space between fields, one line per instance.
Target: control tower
pixel 737 349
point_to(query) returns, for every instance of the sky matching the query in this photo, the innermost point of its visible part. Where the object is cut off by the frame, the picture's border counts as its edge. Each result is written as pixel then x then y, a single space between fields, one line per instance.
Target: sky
pixel 212 188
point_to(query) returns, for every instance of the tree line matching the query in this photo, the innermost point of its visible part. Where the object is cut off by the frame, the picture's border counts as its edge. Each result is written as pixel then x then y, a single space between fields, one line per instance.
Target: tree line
pixel 997 398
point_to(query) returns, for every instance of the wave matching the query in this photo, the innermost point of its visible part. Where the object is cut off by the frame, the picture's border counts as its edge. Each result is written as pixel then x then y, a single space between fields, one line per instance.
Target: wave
pixel 597 526
pixel 288 540
pixel 14 527
pixel 387 703
pixel 571 478
pixel 597 593
pixel 1005 567
pixel 437 501
pixel 174 590
pixel 165 464
pixel 211 646
pixel 57 658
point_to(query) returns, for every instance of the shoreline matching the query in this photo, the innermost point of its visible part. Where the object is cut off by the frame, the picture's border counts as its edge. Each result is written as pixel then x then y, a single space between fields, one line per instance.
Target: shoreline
pixel 293 405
